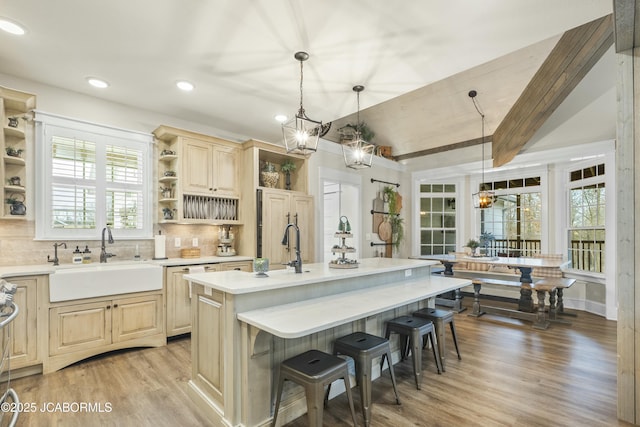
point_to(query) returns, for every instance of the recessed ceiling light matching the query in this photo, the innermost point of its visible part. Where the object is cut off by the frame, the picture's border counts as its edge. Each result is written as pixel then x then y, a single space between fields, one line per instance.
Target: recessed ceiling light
pixel 97 82
pixel 185 85
pixel 281 118
pixel 11 27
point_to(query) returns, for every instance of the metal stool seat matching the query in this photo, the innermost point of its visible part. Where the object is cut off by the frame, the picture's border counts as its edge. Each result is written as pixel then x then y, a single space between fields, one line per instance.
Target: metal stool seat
pixel 411 330
pixel 441 318
pixel 314 369
pixel 363 348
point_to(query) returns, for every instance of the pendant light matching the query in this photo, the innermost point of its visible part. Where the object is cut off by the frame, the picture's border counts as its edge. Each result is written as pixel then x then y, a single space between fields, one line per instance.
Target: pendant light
pixel 483 199
pixel 301 134
pixel 358 153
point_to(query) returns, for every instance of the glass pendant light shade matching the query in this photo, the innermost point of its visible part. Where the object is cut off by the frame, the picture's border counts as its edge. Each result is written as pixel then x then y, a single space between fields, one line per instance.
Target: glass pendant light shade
pixel 301 134
pixel 483 199
pixel 358 153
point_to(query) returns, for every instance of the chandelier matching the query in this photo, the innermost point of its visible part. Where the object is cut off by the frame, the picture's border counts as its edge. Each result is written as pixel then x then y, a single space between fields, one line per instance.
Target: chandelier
pixel 358 153
pixel 301 133
pixel 483 198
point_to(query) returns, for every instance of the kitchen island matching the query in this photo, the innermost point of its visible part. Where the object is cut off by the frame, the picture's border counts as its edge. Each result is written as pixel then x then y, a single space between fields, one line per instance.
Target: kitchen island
pixel 244 326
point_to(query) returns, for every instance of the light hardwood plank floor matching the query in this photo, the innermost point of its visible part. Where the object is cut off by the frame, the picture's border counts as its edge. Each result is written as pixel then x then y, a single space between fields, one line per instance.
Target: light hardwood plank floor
pixel 510 375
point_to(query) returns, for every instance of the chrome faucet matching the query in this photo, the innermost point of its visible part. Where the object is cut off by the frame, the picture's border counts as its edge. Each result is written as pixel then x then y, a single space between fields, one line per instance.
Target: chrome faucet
pixel 285 241
pixel 55 259
pixel 104 255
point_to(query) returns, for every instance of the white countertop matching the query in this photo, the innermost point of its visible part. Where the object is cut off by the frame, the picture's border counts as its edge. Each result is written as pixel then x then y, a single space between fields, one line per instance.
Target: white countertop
pixel 37 269
pixel 240 282
pixel 313 315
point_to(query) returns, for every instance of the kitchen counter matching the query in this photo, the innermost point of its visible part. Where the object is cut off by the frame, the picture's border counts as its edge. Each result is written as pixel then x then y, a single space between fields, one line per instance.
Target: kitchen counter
pixel 245 326
pixel 238 282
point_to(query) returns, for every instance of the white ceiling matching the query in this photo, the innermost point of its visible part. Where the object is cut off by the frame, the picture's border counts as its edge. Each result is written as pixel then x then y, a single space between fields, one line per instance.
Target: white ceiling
pixel 239 54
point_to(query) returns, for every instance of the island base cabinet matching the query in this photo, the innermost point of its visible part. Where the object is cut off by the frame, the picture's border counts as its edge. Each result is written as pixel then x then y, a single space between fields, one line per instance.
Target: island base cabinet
pixel 207 361
pixel 78 331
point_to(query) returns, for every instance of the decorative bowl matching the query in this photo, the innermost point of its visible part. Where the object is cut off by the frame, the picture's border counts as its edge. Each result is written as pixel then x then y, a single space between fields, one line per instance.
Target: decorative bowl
pixel 261 266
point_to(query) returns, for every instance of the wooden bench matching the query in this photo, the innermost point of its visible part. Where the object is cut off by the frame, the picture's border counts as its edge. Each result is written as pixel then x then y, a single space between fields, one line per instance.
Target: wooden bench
pixel 526 310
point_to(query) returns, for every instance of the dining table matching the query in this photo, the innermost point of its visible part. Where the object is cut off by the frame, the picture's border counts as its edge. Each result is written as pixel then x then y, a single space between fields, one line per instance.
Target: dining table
pixel 524 264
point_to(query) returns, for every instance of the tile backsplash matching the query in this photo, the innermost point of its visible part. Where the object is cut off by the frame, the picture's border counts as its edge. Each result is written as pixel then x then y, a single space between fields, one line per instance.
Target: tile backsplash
pixel 17 246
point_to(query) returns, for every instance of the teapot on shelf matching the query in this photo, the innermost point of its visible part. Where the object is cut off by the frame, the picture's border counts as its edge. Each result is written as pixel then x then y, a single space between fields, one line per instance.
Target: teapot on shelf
pixel 16 206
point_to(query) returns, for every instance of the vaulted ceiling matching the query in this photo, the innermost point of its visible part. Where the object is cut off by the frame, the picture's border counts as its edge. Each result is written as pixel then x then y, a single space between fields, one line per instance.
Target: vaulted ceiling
pixel 416 59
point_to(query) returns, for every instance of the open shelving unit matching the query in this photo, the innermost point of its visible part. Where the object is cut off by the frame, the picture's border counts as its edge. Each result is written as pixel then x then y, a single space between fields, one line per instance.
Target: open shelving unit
pixel 15 108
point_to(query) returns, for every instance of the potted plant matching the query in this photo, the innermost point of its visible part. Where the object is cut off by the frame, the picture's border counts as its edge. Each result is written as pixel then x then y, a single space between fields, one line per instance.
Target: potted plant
pixel 397 223
pixel 485 239
pixel 348 131
pixel 287 167
pixel 473 244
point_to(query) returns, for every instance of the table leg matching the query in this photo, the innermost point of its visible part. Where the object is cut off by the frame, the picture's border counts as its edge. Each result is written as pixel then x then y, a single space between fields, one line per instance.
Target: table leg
pixel 448 268
pixel 457 302
pixel 561 304
pixel 526 301
pixel 477 312
pixel 553 312
pixel 541 318
pixel 525 274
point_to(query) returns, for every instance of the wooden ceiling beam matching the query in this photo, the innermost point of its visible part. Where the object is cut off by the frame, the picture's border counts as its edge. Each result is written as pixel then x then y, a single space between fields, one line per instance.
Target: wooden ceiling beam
pixel 569 61
pixel 625 14
pixel 435 150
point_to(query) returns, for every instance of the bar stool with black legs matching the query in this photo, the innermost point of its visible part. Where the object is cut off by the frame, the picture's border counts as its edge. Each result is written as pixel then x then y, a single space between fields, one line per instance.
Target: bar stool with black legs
pixel 363 348
pixel 440 318
pixel 314 369
pixel 411 330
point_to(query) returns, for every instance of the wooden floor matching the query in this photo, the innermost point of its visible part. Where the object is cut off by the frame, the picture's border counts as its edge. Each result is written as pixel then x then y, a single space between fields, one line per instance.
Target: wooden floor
pixel 510 375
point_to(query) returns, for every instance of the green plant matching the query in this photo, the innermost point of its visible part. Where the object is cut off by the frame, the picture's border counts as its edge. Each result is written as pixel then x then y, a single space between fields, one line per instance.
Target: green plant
pixel 348 131
pixel 288 166
pixel 473 244
pixel 389 194
pixel 269 167
pixel 397 230
pixel 397 224
pixel 486 238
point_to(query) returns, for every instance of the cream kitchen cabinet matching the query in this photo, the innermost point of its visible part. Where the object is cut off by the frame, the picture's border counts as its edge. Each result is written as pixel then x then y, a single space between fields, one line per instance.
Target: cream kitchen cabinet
pixel 179 297
pixel 198 178
pixel 82 329
pixel 280 208
pixel 23 331
pixel 209 168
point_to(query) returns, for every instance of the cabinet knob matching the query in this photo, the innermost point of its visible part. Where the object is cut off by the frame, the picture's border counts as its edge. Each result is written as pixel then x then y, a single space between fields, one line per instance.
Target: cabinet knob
pixel 115 305
pixel 108 307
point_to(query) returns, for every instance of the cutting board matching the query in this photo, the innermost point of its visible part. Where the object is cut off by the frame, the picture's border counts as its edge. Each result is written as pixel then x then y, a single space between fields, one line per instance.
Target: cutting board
pixel 378 205
pixel 384 230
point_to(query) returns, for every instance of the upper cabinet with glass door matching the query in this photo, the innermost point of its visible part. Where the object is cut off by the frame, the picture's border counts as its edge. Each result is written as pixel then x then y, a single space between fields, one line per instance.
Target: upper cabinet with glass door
pixel 16 128
pixel 198 178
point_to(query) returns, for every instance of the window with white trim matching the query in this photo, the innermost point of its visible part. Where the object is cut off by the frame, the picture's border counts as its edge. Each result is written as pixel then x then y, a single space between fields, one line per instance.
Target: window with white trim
pixel 437 219
pixel 586 231
pixel 515 217
pixel 91 176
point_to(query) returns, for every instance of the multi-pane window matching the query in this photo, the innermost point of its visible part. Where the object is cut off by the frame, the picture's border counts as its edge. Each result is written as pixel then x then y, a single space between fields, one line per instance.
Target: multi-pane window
pixel 437 218
pixel 92 177
pixel 515 217
pixel 586 233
